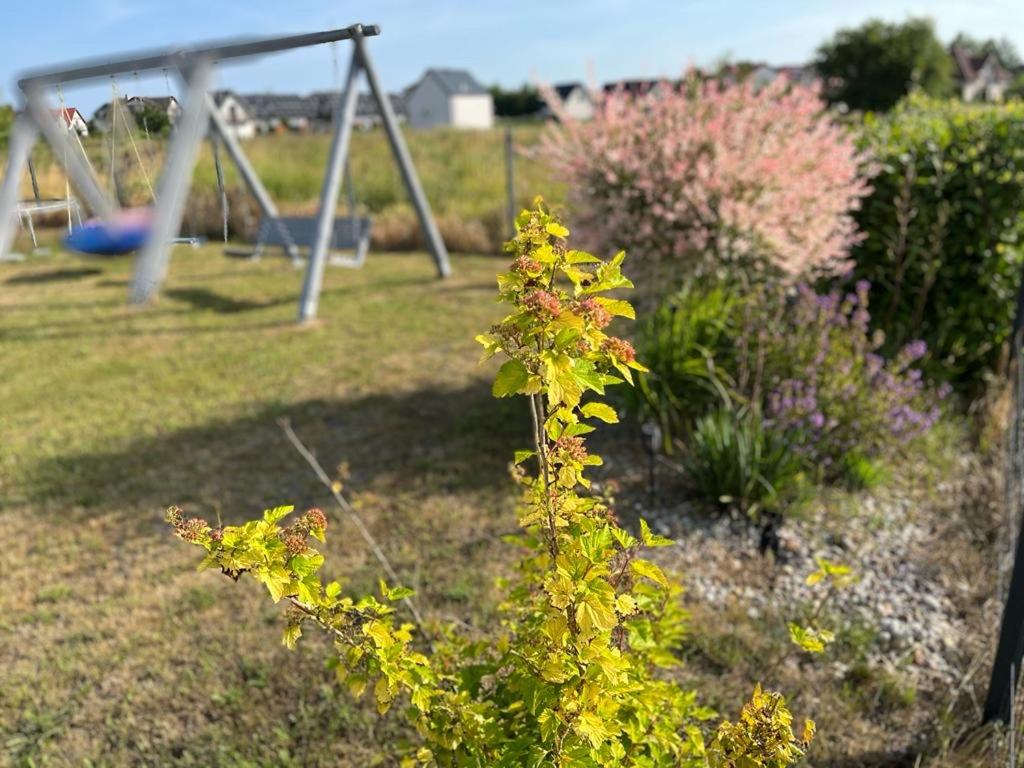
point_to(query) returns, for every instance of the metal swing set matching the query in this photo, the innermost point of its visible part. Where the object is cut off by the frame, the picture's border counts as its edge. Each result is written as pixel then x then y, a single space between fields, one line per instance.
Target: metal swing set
pixel 157 229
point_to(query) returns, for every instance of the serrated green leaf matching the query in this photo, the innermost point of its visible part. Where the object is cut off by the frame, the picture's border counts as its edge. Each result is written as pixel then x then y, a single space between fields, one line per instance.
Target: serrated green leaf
pixel 601 411
pixel 512 376
pixel 649 570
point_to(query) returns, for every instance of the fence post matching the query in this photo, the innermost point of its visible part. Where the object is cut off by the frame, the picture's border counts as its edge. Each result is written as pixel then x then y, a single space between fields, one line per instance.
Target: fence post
pixel 1010 650
pixel 510 181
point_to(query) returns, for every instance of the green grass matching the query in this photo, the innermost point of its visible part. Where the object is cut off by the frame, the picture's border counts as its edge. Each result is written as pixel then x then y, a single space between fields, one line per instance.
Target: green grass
pixel 114 647
pixel 115 651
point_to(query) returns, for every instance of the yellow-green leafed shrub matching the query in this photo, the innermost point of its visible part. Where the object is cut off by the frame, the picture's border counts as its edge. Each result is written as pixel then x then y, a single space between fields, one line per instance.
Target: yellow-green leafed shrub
pixel 573 675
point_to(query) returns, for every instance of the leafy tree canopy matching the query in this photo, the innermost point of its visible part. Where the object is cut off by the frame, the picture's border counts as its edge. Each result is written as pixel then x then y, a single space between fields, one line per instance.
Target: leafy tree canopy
pixel 6 121
pixel 518 103
pixel 873 66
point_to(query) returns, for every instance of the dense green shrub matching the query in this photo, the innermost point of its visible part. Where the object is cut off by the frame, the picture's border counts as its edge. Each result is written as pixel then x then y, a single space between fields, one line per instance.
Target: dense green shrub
pixel 690 344
pixel 570 677
pixel 943 229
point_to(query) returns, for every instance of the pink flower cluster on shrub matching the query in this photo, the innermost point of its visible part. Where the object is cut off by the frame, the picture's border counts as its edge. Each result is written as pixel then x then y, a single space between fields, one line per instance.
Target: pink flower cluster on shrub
pixel 707 172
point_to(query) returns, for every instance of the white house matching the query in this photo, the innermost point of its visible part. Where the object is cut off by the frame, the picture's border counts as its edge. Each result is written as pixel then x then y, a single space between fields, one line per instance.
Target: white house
pixel 980 77
pixel 237 113
pixel 72 119
pixel 168 105
pixel 796 74
pixel 577 102
pixel 449 97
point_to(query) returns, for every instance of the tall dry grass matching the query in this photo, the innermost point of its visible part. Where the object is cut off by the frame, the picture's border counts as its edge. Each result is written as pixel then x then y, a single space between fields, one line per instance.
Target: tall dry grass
pixel 462 172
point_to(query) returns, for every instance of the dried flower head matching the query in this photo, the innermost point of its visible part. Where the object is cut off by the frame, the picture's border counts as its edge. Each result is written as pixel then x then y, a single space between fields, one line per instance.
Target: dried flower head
pixel 294 542
pixel 572 447
pixel 620 349
pixel 592 311
pixel 173 516
pixel 524 265
pixel 193 529
pixel 316 518
pixel 543 303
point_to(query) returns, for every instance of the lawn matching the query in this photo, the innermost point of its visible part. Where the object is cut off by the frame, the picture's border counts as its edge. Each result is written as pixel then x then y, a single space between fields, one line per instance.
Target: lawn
pixel 114 650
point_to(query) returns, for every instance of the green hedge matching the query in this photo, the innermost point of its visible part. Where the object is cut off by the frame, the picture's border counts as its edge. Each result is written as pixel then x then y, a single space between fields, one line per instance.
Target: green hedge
pixel 943 228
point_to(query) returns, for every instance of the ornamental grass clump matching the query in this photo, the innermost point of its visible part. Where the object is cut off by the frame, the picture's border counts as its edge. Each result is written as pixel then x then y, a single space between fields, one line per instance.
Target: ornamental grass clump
pixel 576 672
pixel 698 175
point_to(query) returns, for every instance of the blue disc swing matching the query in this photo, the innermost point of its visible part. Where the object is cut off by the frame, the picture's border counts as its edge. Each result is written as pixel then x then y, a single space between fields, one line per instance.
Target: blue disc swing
pixel 129 229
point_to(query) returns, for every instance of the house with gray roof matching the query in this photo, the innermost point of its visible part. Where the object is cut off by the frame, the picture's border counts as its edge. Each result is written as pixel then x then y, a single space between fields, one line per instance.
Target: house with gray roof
pixel 236 113
pixel 448 97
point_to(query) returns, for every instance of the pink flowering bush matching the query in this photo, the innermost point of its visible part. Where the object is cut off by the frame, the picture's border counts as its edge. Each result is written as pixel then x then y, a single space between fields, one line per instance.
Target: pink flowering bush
pixel 706 173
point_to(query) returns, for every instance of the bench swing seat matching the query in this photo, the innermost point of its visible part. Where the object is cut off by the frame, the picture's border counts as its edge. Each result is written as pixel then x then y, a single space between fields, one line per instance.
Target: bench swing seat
pixel 295 233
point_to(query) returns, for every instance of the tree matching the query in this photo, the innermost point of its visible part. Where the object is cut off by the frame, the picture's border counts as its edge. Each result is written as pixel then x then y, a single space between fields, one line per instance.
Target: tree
pixel 153 120
pixel 873 66
pixel 6 121
pixel 518 103
pixel 574 673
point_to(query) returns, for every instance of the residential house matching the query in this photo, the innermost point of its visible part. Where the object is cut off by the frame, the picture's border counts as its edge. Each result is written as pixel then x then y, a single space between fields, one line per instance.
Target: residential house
pixel 448 97
pixel 980 77
pixel 796 74
pixel 274 112
pixel 101 118
pixel 167 105
pixel 72 120
pixel 635 87
pixel 368 112
pixel 236 114
pixel 577 102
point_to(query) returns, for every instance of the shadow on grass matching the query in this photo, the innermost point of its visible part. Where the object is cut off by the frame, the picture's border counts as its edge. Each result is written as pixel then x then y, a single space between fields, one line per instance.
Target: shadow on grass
pixel 205 299
pixel 429 441
pixel 53 276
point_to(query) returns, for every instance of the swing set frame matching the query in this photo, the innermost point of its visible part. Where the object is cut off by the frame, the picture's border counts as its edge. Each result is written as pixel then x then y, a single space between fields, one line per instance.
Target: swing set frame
pixel 199 116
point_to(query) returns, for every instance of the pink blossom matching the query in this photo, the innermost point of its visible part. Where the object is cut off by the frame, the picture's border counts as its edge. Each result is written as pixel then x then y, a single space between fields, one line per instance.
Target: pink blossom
pixel 705 172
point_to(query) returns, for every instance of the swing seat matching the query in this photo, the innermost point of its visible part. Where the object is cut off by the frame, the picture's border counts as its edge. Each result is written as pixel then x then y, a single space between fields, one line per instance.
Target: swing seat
pixel 291 233
pixel 125 233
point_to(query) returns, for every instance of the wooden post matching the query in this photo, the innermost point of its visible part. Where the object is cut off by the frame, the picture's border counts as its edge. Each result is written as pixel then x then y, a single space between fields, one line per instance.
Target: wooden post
pixel 510 181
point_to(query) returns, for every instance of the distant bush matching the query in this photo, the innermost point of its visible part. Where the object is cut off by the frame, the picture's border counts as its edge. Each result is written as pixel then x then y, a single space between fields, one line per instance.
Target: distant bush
pixel 6 121
pixel 944 230
pixel 805 364
pixel 696 176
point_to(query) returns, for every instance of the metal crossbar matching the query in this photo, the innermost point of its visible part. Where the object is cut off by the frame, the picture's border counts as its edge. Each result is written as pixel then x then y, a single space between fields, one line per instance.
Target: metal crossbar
pixel 91 69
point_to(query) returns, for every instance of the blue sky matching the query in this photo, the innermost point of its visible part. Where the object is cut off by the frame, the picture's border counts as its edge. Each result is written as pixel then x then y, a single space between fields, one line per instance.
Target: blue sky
pixel 501 41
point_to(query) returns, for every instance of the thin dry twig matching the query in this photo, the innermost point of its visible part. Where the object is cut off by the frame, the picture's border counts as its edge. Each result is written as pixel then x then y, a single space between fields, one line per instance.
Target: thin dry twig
pixel 349 510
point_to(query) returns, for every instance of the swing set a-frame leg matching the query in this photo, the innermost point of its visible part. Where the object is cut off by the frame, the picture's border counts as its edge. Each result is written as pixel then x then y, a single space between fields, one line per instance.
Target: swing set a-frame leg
pixel 172 192
pixel 344 120
pixel 23 136
pixel 401 152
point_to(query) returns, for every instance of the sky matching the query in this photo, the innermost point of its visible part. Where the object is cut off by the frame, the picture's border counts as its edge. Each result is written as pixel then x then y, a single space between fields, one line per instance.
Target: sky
pixel 499 41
